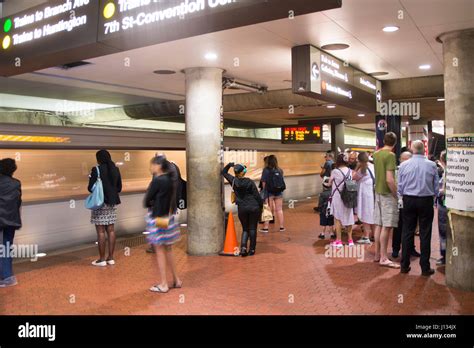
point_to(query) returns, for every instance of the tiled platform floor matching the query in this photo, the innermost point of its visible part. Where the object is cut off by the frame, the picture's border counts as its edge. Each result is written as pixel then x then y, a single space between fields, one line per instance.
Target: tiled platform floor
pixel 289 275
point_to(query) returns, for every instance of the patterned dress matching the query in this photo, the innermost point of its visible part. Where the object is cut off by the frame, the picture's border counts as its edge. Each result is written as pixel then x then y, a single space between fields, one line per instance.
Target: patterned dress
pixel 162 236
pixel 105 216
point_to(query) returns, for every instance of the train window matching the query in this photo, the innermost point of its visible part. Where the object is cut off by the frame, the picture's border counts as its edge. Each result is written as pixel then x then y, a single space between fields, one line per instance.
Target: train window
pixel 50 175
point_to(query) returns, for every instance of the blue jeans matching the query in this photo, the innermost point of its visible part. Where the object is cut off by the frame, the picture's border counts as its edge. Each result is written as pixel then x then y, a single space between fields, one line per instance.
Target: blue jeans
pixel 6 269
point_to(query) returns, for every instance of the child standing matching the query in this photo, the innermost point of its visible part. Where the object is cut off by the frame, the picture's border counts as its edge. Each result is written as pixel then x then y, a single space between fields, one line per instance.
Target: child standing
pixel 324 219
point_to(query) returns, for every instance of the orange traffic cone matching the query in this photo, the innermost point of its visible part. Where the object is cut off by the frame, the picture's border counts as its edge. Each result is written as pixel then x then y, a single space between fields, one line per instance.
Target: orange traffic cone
pixel 231 247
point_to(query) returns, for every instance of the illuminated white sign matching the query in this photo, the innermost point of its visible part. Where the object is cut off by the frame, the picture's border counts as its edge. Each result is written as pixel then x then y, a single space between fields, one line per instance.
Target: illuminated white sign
pixel 338 90
pixel 155 16
pixel 334 73
pixel 48 29
pixel 367 83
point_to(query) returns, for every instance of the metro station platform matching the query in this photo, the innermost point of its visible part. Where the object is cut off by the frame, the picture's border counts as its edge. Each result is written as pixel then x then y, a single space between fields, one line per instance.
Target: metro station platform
pixel 289 275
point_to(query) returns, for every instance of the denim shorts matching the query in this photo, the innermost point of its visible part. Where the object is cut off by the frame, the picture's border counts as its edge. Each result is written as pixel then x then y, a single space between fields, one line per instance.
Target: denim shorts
pixel 275 195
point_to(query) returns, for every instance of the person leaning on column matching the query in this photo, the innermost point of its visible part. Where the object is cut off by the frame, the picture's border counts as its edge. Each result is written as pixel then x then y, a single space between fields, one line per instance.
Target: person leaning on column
pixel 418 185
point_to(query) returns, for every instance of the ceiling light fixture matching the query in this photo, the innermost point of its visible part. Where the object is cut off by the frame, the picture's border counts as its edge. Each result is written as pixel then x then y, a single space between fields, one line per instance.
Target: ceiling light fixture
pixel 441 99
pixel 391 28
pixel 211 56
pixel 361 115
pixel 164 72
pixel 335 47
pixel 424 67
pixel 331 106
pixel 379 73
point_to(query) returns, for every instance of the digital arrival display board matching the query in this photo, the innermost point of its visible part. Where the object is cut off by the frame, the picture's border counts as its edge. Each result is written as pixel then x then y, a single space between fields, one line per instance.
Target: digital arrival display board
pixel 319 75
pixel 66 31
pixel 302 134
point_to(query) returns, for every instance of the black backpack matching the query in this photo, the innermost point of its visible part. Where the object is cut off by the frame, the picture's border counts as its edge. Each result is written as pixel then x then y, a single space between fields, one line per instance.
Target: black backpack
pixel 349 191
pixel 276 182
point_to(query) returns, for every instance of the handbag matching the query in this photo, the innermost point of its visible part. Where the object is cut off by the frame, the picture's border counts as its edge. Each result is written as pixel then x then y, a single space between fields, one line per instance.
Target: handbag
pixel 266 213
pixel 162 222
pixel 96 199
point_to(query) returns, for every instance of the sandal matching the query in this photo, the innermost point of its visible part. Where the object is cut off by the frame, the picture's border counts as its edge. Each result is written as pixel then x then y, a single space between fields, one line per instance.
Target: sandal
pixel 157 288
pixel 389 264
pixel 177 286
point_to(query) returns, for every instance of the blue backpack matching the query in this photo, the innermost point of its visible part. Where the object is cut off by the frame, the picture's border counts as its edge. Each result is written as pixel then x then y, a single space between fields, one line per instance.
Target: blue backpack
pixel 96 198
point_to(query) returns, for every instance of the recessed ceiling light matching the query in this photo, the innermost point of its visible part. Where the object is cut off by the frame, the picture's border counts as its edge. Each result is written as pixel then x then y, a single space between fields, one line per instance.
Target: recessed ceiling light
pixel 331 106
pixel 390 28
pixel 164 72
pixel 361 115
pixel 335 47
pixel 424 67
pixel 441 99
pixel 211 56
pixel 379 73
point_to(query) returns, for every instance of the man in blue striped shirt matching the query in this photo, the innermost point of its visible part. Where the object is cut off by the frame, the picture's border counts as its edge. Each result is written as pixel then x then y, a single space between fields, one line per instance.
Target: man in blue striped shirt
pixel 418 185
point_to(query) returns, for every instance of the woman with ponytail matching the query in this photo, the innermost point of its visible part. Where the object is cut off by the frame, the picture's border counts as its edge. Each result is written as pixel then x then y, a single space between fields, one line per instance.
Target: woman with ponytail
pixel 105 217
pixel 162 227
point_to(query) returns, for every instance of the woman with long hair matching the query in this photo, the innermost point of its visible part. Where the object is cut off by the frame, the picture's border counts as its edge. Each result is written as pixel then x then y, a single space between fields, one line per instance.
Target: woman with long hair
pixel 343 216
pixel 105 217
pixel 364 174
pixel 249 203
pixel 162 227
pixel 274 184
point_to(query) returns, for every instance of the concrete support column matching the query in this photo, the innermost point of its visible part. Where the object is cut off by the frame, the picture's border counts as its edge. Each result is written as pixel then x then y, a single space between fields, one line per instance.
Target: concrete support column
pixel 203 146
pixel 458 51
pixel 337 137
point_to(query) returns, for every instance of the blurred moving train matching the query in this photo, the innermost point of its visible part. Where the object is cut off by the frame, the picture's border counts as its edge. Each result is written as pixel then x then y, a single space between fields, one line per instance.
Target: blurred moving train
pixel 54 164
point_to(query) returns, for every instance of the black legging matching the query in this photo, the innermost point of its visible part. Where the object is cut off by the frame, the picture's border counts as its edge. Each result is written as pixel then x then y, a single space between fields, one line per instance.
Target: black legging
pixel 249 221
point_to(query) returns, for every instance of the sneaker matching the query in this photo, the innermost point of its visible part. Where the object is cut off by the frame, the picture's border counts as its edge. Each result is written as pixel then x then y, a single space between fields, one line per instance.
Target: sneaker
pixel 337 244
pixel 351 243
pixel 333 236
pixel 150 250
pixel 10 281
pixel 282 229
pixel 364 240
pixel 441 261
pixel 99 263
pixel 111 262
pixel 321 236
pixel 263 230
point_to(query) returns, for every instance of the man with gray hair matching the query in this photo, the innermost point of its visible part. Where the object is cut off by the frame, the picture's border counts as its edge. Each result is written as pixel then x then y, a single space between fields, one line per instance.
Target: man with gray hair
pixel 418 185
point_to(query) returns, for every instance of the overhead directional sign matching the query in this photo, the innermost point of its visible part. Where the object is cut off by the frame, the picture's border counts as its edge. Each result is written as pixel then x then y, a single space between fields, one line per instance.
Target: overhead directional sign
pixel 319 75
pixel 64 31
pixel 49 34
